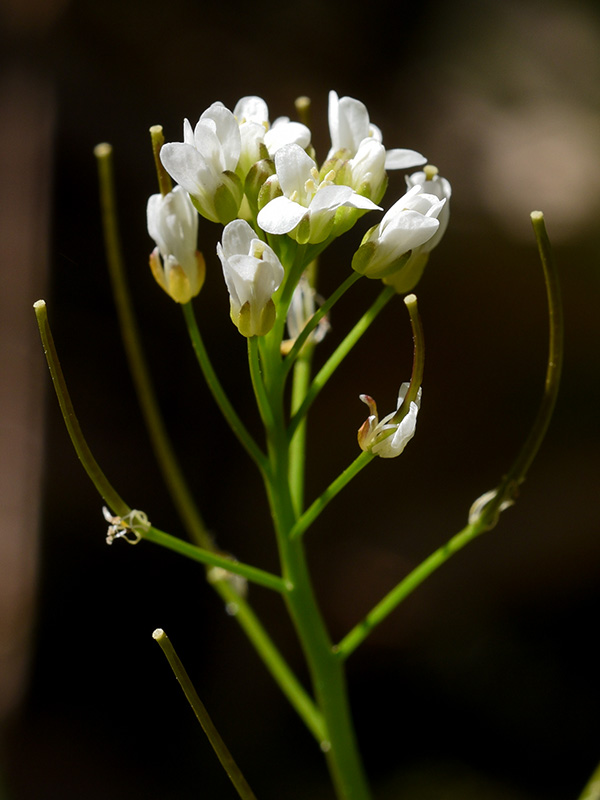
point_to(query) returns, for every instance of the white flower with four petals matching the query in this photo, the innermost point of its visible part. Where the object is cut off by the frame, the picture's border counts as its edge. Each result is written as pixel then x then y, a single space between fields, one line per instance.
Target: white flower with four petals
pixel 205 163
pixel 252 273
pixel 306 210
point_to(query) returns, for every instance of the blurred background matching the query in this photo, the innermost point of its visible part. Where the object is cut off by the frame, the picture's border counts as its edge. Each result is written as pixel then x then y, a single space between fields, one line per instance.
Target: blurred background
pixel 485 683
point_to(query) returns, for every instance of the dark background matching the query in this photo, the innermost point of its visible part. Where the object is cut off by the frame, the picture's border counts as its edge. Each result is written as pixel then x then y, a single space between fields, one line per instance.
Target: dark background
pixel 485 683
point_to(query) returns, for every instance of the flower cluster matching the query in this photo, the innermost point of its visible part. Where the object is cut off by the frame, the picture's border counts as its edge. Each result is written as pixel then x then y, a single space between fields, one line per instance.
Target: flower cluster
pixel 238 165
pixel 279 208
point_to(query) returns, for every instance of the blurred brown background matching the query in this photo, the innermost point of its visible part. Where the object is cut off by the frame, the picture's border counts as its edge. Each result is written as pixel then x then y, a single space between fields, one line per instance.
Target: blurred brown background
pixel 485 684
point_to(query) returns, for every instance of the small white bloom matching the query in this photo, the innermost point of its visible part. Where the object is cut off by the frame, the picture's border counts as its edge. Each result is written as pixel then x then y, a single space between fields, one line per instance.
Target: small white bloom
pixel 349 125
pixel 176 264
pixel 367 170
pixel 206 161
pixel 405 279
pixel 409 223
pixel 252 115
pixel 374 434
pixel 252 273
pixel 432 183
pixel 306 210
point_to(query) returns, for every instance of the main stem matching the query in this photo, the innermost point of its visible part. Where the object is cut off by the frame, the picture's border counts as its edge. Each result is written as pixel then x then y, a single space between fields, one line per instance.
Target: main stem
pixel 326 670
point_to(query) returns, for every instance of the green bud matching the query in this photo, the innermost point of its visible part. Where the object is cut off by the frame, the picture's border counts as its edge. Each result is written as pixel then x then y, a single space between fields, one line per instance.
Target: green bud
pixel 269 191
pixel 255 180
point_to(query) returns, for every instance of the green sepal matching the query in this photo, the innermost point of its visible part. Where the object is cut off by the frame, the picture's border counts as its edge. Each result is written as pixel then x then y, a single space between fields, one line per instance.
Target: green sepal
pixel 302 232
pixel 251 324
pixel 228 198
pixel 407 276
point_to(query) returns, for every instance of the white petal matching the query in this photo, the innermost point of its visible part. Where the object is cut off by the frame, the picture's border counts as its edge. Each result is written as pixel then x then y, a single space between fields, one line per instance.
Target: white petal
pixel 285 132
pixel 280 215
pixel 330 197
pixel 188 133
pixel 352 124
pixel 189 168
pixel 237 238
pixel 393 445
pixel 228 133
pixel 293 167
pixel 251 109
pixel 403 159
pixel 409 230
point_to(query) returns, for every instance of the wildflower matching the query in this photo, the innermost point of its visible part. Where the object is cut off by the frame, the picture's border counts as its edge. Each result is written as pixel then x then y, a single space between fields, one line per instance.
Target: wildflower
pixel 176 264
pixel 307 206
pixel 252 273
pixel 205 163
pixel 349 126
pixel 388 438
pixel 405 279
pixel 409 223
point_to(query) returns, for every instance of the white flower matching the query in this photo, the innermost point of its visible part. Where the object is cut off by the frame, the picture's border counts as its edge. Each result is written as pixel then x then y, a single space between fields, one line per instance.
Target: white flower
pixel 176 264
pixel 409 223
pixel 405 279
pixel 365 171
pixel 252 273
pixel 374 435
pixel 306 210
pixel 252 115
pixel 205 163
pixel 349 125
pixel 432 183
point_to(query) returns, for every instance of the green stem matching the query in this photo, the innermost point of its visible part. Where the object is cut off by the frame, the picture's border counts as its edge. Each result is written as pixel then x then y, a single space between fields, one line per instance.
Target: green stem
pixel 91 466
pixel 258 384
pixel 313 511
pixel 165 455
pixel 592 788
pixel 489 511
pixel 235 423
pixel 340 353
pixel 324 309
pixel 555 351
pixel 400 592
pixel 164 179
pixel 219 746
pixel 297 447
pixel 254 574
pixel 280 671
pixel 416 378
pixel 327 677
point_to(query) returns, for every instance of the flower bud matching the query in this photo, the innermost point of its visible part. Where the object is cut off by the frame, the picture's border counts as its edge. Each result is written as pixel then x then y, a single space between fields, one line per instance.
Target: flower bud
pixel 260 172
pixel 406 278
pixel 409 223
pixel 175 263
